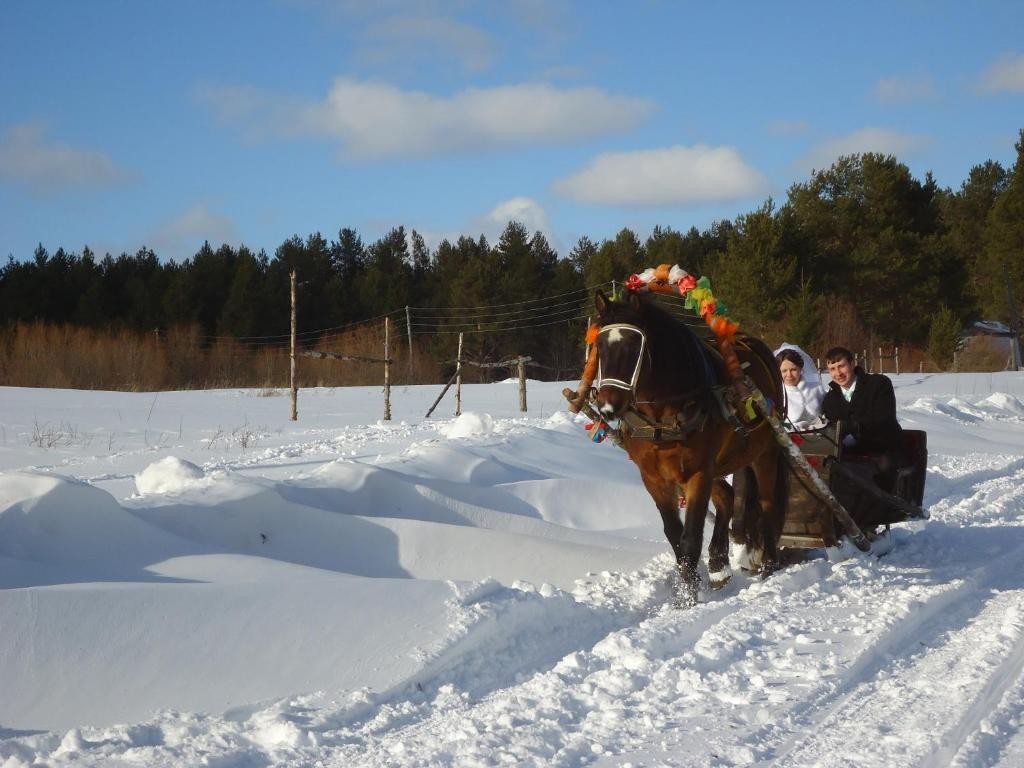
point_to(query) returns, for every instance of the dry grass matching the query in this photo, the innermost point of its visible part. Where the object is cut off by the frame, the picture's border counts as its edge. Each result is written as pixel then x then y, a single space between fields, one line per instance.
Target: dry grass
pixel 984 353
pixel 64 356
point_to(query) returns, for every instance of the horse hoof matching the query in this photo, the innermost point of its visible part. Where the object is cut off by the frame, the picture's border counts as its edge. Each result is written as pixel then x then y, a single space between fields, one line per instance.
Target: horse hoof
pixel 718 579
pixel 685 595
pixel 684 600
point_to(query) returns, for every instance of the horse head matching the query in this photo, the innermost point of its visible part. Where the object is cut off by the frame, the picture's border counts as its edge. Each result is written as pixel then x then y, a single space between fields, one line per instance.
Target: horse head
pixel 621 353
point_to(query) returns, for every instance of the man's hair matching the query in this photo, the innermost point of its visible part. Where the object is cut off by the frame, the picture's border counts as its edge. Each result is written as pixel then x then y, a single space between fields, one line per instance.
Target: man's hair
pixel 836 354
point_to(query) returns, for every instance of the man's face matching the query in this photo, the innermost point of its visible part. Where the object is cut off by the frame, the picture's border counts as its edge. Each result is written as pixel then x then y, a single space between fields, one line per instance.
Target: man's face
pixel 841 372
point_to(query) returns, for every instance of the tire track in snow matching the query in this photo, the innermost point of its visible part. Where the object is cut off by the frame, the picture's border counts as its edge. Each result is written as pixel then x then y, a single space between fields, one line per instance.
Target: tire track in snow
pixel 894 675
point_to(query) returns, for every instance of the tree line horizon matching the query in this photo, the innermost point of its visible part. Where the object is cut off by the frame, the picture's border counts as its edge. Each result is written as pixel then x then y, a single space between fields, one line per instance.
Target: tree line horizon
pixel 861 254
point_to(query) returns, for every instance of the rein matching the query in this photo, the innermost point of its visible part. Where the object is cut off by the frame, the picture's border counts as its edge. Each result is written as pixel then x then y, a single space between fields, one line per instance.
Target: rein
pixel 637 425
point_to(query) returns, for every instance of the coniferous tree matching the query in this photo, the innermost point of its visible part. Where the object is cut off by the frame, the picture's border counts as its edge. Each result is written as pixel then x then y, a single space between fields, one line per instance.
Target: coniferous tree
pixel 1004 248
pixel 943 337
pixel 386 284
pixel 965 215
pixel 804 316
pixel 754 276
pixel 581 254
pixel 616 260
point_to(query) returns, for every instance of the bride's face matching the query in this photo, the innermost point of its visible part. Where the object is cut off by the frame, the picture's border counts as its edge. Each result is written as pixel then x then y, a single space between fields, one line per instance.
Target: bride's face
pixel 791 375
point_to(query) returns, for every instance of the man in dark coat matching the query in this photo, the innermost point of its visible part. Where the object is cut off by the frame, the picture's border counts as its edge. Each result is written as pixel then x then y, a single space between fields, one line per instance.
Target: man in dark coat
pixel 865 404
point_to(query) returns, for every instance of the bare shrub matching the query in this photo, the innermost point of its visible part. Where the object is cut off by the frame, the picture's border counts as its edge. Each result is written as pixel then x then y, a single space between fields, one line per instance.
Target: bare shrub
pixel 984 353
pixel 840 325
pixel 65 435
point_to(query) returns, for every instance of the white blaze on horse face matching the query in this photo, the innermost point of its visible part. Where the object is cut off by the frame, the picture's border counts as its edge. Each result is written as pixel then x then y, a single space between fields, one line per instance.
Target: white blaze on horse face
pixel 614 336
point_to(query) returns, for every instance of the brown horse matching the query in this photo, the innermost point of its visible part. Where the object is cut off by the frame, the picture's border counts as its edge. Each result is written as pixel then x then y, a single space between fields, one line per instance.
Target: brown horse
pixel 685 426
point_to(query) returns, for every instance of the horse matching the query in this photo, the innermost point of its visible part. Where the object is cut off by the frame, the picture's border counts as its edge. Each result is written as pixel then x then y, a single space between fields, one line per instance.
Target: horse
pixel 685 427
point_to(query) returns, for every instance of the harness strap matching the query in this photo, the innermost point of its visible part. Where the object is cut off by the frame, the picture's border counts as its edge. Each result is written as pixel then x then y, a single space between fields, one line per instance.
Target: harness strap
pixel 639 427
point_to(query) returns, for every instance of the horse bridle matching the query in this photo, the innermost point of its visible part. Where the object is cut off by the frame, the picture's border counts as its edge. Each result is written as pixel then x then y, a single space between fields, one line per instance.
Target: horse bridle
pixel 629 386
pixel 639 425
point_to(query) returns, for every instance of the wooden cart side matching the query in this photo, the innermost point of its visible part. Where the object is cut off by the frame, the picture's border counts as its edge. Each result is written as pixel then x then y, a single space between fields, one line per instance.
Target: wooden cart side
pixel 809 523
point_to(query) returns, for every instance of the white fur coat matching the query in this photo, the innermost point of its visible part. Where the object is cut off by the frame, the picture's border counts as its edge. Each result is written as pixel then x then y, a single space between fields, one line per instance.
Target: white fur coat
pixel 803 404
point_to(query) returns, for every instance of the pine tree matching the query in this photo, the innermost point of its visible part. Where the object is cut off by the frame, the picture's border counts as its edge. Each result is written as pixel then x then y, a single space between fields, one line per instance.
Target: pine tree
pixel 804 316
pixel 943 337
pixel 1004 247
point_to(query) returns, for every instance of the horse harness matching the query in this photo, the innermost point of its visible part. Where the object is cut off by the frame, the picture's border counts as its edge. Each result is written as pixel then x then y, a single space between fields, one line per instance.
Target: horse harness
pixel 698 404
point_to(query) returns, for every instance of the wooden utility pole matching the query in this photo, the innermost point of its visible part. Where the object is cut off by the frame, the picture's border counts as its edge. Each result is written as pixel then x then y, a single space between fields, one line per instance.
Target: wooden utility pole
pixel 458 379
pixel 408 332
pixel 521 362
pixel 387 370
pixel 294 382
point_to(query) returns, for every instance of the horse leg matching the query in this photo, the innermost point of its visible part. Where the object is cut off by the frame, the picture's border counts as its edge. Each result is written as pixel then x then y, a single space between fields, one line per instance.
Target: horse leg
pixel 698 494
pixel 666 496
pixel 771 488
pixel 718 549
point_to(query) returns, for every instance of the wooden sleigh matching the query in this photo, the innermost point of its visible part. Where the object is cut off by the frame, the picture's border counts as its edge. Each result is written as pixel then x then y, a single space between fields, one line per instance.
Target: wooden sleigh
pixel 811 524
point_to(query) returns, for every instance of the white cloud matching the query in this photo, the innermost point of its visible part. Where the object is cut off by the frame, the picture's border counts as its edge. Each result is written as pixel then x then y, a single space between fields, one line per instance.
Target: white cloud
pixel 879 140
pixel 676 175
pixel 27 156
pixel 379 120
pixel 904 90
pixel 426 39
pixel 259 115
pixel 525 210
pixel 183 235
pixel 1007 74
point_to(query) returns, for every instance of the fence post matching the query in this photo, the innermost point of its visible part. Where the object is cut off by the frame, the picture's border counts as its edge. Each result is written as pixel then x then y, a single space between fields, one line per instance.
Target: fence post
pixel 387 370
pixel 522 383
pixel 881 368
pixel 458 379
pixel 897 361
pixel 867 360
pixel 294 383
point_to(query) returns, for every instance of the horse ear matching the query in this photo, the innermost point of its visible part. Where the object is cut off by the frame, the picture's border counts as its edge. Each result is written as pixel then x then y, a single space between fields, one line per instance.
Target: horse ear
pixel 600 302
pixel 634 301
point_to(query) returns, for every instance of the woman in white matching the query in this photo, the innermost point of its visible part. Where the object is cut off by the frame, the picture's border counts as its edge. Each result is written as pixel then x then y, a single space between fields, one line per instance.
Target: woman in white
pixel 804 390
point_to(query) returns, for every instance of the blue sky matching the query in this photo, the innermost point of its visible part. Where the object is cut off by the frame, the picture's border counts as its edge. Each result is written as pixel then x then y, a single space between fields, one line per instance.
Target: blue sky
pixel 246 121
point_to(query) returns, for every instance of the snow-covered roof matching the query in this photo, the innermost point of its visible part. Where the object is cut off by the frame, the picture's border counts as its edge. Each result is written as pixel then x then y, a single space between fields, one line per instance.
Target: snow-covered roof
pixel 987 328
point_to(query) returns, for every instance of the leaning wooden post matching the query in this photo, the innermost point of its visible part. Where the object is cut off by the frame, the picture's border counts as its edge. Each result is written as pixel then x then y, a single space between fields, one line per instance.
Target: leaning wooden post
pixel 387 370
pixel 458 379
pixel 520 362
pixel 897 361
pixel 294 382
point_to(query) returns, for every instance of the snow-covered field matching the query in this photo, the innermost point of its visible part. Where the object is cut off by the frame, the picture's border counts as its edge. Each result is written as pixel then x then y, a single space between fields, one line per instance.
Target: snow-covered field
pixel 189 578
